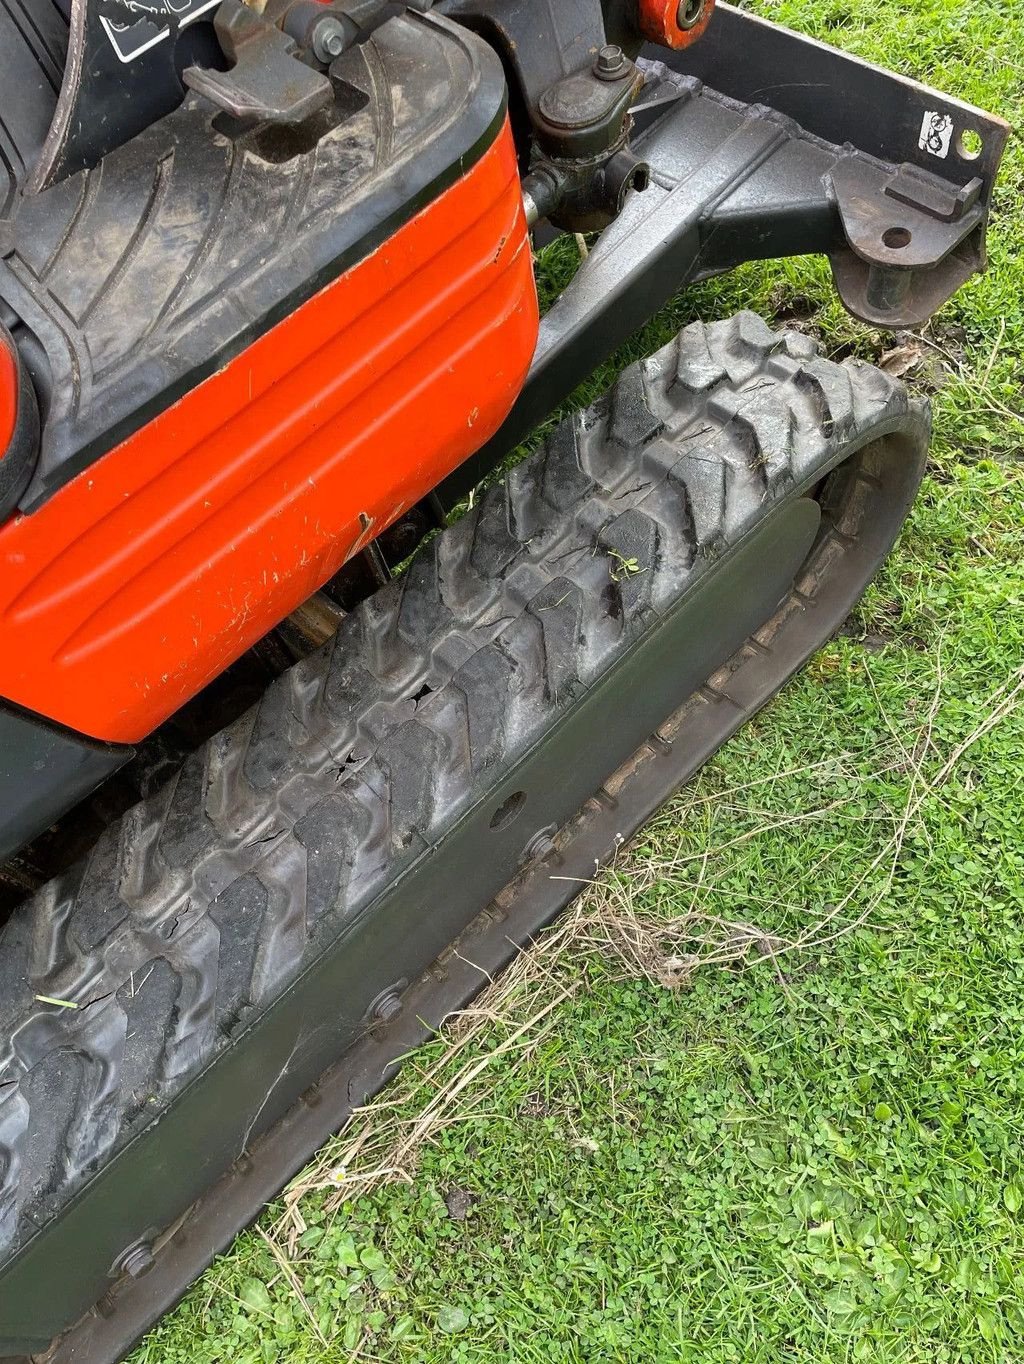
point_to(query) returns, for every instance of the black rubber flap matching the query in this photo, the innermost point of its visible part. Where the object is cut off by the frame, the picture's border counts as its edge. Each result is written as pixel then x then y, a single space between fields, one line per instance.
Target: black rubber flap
pixel 43 772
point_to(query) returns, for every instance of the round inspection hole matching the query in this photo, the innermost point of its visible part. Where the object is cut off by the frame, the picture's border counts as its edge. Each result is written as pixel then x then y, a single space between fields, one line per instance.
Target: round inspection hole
pixel 970 144
pixel 690 13
pixel 896 238
pixel 508 810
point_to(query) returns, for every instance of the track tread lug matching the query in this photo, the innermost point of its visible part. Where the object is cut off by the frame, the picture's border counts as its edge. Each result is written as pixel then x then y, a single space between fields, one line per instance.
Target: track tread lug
pixel 633 543
pixel 631 421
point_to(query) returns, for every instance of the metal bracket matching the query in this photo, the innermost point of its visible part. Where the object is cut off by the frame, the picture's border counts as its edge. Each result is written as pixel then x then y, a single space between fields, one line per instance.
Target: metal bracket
pixel 732 180
pixel 844 100
pixel 938 198
pixel 582 172
pixel 914 182
pixel 584 115
pixel 900 231
pixel 266 80
pixel 328 30
pixel 541 40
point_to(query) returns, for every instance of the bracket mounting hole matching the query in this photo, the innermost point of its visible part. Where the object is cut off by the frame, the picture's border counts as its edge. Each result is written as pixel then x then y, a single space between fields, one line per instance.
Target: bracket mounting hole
pixel 508 810
pixel 970 144
pixel 896 238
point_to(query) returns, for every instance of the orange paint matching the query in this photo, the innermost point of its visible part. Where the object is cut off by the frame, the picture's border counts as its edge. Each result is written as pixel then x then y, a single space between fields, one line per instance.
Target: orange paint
pixel 139 582
pixel 659 21
pixel 8 393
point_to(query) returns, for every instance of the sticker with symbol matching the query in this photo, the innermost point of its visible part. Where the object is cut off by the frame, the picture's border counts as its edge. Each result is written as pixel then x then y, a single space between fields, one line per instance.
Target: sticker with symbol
pixel 936 133
pixel 133 34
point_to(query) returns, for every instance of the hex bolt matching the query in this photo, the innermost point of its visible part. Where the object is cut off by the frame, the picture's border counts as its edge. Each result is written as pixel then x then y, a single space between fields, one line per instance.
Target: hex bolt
pixel 690 13
pixel 611 63
pixel 136 1260
pixel 387 1006
pixel 540 846
pixel 328 38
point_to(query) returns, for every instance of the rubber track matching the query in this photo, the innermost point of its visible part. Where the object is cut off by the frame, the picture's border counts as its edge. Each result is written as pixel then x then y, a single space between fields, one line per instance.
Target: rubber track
pixel 194 912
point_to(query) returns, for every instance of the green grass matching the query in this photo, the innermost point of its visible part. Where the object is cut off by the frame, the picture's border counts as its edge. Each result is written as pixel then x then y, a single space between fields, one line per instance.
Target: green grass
pixel 815 1157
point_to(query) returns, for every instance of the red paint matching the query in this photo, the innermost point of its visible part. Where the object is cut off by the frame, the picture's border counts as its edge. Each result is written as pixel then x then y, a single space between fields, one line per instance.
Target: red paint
pixel 8 393
pixel 146 576
pixel 659 21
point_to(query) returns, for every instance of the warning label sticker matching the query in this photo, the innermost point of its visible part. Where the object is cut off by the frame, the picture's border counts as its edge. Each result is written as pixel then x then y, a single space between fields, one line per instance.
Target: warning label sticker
pixel 936 134
pixel 133 27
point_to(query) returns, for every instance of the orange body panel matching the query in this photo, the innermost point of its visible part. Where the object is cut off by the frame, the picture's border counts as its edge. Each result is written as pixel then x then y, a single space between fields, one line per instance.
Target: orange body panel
pixel 8 395
pixel 659 21
pixel 147 575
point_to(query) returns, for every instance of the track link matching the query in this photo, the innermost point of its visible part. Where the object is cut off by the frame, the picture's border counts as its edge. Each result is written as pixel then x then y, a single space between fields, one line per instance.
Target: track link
pixel 201 917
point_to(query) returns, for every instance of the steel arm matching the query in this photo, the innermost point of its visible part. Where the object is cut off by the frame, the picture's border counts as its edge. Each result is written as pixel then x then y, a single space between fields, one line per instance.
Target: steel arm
pixel 735 179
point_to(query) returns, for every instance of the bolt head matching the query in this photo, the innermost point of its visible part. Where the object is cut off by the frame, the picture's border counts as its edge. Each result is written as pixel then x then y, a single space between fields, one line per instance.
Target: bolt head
pixel 611 62
pixel 540 847
pixel 137 1260
pixel 387 1008
pixel 328 38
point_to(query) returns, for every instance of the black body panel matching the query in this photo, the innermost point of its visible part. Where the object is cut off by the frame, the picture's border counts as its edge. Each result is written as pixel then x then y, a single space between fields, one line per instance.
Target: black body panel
pixel 143 276
pixel 33 45
pixel 43 772
pixel 18 459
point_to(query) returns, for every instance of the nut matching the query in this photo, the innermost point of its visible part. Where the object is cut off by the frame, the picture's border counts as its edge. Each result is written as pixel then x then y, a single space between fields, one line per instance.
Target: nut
pixel 388 1004
pixel 611 63
pixel 328 38
pixel 540 847
pixel 136 1260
